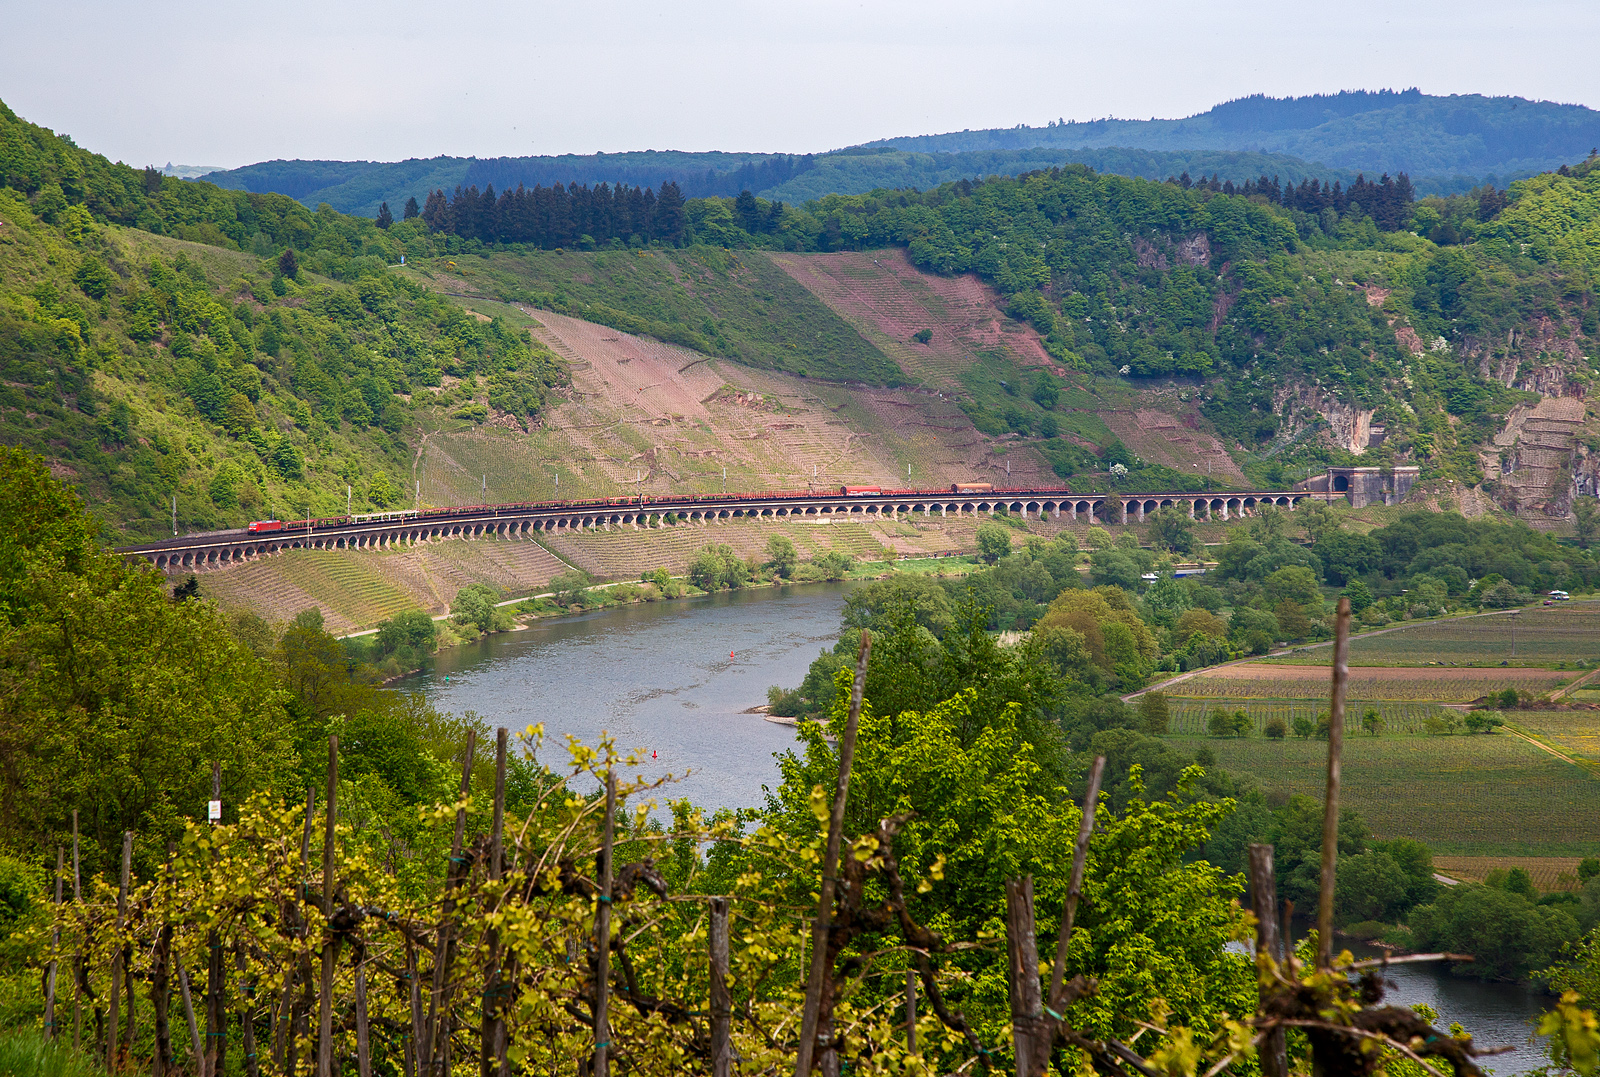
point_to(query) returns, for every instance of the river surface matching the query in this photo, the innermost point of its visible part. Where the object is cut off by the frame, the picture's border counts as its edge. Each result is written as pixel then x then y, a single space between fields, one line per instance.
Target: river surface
pixel 677 678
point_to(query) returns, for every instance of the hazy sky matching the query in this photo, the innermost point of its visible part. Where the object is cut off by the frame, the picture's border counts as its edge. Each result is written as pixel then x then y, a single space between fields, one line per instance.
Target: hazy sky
pixel 228 83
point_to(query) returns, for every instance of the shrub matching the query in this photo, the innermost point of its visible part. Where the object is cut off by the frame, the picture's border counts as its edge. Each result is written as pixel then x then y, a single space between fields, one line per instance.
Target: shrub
pixel 1276 728
pixel 834 565
pixel 784 703
pixel 570 588
pixel 1484 722
pixel 1154 713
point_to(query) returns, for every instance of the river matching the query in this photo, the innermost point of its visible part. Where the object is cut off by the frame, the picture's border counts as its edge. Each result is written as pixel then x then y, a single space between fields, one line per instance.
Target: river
pixel 677 678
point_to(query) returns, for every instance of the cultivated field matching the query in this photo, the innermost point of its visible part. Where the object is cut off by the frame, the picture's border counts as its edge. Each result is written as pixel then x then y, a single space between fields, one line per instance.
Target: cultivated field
pixel 1577 732
pixel 1569 632
pixel 1189 715
pixel 1164 438
pixel 1465 795
pixel 1276 681
pixel 1548 872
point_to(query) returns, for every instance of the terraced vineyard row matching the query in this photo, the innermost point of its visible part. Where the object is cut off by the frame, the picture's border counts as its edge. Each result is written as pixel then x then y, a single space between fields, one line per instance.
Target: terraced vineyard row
pixel 271 588
pixel 1268 681
pixel 1189 716
pixel 1564 633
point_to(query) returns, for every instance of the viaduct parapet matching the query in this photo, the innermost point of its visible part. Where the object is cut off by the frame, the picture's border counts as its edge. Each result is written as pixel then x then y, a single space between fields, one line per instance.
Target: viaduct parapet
pixel 384 530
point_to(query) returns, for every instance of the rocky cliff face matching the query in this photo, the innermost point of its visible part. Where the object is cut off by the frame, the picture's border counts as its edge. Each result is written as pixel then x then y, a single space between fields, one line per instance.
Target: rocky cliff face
pixel 1348 427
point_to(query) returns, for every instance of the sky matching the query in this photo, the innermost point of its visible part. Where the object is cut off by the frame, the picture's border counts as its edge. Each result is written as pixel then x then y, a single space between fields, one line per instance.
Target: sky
pixel 226 83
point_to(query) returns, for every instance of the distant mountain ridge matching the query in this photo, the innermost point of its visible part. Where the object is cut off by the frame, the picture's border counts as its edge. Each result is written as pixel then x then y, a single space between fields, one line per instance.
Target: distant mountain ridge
pixel 1382 131
pixel 1446 144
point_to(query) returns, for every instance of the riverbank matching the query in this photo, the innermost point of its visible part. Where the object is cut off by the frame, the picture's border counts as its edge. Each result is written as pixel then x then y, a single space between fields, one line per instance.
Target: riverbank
pixel 622 593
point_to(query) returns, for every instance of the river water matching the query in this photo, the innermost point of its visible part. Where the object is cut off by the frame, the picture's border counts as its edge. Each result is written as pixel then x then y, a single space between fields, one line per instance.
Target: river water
pixel 676 679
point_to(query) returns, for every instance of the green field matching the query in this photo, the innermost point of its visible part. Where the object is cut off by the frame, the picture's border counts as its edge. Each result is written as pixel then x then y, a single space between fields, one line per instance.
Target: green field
pixel 1399 716
pixel 1563 635
pixel 1464 795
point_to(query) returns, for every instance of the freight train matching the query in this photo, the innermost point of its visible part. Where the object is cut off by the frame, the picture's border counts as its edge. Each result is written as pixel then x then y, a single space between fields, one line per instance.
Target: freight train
pixel 664 502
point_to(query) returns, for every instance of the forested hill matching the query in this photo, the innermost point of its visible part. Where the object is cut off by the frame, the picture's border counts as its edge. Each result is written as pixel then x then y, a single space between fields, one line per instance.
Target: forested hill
pixel 1308 311
pixel 162 339
pixel 1434 139
pixel 1446 144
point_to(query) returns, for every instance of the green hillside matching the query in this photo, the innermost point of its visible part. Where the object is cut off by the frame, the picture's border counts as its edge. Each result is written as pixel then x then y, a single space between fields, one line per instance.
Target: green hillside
pixel 154 341
pixel 1281 306
pixel 145 366
pixel 715 301
pixel 357 187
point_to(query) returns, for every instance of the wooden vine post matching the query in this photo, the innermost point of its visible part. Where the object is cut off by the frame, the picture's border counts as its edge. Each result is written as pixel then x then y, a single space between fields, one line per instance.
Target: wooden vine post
pixel 161 973
pixel 721 998
pixel 1272 1050
pixel 492 1059
pixel 602 934
pixel 78 973
pixel 247 1013
pixel 1330 806
pixel 363 1029
pixel 119 956
pixel 815 985
pixel 216 1004
pixel 330 947
pixel 436 1044
pixel 55 947
pixel 284 1030
pixel 1037 1021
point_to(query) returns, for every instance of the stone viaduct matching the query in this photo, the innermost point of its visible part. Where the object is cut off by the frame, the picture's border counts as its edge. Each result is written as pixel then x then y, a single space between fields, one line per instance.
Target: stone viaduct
pixel 382 530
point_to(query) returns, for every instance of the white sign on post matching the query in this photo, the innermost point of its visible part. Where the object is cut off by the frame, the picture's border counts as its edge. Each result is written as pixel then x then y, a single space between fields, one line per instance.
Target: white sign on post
pixel 214 810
